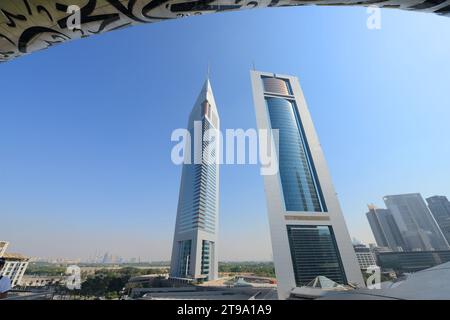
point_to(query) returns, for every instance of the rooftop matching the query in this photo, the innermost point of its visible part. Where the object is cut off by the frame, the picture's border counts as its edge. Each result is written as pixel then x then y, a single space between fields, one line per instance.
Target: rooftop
pixel 15 257
pixel 429 284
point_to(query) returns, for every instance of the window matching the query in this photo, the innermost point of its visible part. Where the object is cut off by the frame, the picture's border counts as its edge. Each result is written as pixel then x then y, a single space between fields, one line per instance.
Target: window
pixel 276 85
pixel 315 253
pixel 184 258
pixel 300 186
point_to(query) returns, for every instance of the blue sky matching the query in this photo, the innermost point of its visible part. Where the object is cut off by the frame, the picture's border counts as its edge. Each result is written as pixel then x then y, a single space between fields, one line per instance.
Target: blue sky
pixel 85 127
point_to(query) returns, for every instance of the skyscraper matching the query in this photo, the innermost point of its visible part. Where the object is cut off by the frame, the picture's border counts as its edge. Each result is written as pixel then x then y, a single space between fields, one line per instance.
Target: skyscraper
pixel 415 222
pixel 194 251
pixel 440 208
pixel 308 231
pixel 384 229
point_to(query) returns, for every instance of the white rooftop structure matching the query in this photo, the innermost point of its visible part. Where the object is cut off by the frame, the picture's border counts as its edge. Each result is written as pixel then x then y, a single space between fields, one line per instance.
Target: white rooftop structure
pixel 428 284
pixel 323 283
pixel 15 266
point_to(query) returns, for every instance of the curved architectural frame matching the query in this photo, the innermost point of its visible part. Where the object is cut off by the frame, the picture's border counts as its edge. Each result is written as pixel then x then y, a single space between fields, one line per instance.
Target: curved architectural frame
pixel 30 25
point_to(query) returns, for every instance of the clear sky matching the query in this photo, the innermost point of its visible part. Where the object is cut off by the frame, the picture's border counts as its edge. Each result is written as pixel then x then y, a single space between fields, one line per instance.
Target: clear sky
pixel 85 126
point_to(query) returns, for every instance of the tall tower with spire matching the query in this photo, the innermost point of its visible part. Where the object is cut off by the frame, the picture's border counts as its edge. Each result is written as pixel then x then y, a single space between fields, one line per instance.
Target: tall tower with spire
pixel 194 251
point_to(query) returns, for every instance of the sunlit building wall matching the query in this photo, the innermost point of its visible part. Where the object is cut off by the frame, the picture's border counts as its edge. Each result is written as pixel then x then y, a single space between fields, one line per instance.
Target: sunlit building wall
pixel 308 231
pixel 194 251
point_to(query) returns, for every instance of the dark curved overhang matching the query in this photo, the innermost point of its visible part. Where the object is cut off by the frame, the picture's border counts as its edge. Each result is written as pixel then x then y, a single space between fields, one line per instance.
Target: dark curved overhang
pixel 30 25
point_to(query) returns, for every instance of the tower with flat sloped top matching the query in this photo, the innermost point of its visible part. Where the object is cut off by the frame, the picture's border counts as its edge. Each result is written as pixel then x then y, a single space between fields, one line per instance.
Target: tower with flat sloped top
pixel 309 236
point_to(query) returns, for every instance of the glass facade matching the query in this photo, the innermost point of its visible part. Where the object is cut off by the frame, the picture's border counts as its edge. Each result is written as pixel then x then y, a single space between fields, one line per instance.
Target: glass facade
pixel 184 259
pixel 276 85
pixel 198 203
pixel 310 241
pixel 385 229
pixel 198 206
pixel 406 262
pixel 300 186
pixel 415 222
pixel 440 209
pixel 315 253
pixel 207 254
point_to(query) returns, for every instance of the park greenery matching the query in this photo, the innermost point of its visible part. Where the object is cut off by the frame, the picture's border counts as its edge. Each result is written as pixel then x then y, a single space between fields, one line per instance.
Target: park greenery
pixel 262 269
pixel 108 281
pixel 45 269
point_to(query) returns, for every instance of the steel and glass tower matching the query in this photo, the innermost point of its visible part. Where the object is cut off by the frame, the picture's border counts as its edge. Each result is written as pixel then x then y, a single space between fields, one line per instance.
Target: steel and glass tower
pixel 308 231
pixel 194 252
pixel 440 208
pixel 385 229
pixel 417 225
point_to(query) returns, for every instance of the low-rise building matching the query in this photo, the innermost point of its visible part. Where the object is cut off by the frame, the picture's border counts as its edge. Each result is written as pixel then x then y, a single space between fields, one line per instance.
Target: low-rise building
pixel 41 281
pixel 413 261
pixel 365 256
pixel 15 266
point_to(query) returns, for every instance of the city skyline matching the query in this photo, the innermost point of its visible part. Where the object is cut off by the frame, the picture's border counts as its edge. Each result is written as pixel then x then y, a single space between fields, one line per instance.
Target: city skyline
pixel 408 224
pixel 94 172
pixel 99 255
pixel 415 222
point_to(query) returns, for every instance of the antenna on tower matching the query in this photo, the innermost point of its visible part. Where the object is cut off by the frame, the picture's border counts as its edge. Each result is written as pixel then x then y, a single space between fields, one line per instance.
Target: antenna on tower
pixel 253 64
pixel 208 71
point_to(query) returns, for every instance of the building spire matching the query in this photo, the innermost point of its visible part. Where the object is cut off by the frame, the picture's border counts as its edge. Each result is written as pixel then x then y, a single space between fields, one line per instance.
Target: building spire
pixel 207 84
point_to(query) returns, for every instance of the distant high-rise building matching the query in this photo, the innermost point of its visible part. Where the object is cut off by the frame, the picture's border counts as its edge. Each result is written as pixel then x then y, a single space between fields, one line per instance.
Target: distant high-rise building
pixel 384 229
pixel 107 258
pixel 308 231
pixel 194 252
pixel 440 208
pixel 415 222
